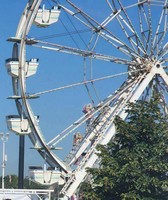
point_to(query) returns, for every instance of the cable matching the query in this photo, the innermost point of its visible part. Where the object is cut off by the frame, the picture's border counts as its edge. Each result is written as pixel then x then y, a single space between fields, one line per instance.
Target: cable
pixel 84 82
pixel 73 27
pixel 63 34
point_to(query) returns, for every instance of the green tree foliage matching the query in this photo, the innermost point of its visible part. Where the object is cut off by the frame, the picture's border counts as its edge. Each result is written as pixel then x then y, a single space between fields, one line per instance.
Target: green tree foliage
pixel 134 165
pixel 11 181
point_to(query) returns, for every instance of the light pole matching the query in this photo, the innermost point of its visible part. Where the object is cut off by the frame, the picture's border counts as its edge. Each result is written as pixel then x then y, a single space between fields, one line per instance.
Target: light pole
pixel 4 137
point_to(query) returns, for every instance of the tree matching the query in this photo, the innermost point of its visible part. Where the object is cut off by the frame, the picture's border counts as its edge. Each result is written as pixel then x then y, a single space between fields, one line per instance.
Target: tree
pixel 11 181
pixel 134 165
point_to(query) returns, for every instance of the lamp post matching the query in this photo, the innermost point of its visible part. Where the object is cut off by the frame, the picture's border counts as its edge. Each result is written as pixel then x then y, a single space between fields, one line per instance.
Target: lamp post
pixel 4 137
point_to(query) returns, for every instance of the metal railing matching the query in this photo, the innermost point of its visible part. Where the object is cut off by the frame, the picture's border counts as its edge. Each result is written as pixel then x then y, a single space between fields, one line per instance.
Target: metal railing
pixel 26 194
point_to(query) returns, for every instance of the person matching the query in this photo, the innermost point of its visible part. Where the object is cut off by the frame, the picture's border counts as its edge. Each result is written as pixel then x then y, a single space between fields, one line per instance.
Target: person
pixel 77 138
pixel 73 197
pixel 87 110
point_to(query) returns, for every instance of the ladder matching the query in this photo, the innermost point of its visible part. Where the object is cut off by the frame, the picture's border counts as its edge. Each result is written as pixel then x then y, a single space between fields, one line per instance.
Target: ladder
pixel 105 126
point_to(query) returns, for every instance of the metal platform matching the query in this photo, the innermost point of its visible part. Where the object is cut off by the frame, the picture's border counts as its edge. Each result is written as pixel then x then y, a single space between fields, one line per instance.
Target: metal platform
pixel 25 194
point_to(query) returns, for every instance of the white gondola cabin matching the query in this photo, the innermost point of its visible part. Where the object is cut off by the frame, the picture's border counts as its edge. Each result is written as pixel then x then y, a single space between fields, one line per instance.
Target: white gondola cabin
pixel 18 125
pixel 45 177
pixel 46 17
pixel 12 65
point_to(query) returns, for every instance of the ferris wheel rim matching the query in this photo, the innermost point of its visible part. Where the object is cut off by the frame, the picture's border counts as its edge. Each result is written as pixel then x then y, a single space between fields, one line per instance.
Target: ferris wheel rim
pixel 24 44
pixel 52 159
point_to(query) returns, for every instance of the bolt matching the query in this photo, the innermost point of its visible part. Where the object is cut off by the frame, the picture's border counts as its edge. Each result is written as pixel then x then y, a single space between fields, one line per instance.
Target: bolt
pixel 158 65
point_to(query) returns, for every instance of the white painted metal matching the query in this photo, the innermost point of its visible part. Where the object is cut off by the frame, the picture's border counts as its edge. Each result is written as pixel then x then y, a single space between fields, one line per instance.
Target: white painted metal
pixel 4 137
pixel 18 125
pixel 46 177
pixel 12 66
pixel 146 60
pixel 91 157
pixel 46 17
pixel 25 194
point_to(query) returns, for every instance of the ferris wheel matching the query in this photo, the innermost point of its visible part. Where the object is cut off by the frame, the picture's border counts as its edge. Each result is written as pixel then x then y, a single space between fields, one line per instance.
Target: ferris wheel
pixel 113 51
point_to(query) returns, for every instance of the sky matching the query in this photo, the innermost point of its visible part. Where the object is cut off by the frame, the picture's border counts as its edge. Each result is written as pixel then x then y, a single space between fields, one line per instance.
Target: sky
pixel 56 110
pixel 10 13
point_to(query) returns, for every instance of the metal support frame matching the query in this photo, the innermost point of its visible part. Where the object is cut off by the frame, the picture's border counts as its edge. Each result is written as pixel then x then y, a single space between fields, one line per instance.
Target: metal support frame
pixel 16 193
pixel 21 162
pixel 4 137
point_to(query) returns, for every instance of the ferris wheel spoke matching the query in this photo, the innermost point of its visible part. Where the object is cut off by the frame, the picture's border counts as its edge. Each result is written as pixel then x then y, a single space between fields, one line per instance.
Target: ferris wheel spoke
pixel 164 60
pixel 83 53
pixel 145 19
pixel 150 28
pixel 157 2
pixel 109 19
pixel 144 30
pixel 105 117
pixel 136 42
pixel 132 36
pixel 118 44
pixel 100 28
pixel 160 34
pixel 93 41
pixel 81 16
pixel 79 52
pixel 163 52
pixel 84 82
pixel 126 26
pixel 110 5
pixel 96 110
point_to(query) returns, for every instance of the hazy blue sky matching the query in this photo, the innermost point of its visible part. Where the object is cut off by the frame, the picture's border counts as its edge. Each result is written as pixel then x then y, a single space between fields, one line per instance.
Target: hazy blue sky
pixel 59 109
pixel 10 13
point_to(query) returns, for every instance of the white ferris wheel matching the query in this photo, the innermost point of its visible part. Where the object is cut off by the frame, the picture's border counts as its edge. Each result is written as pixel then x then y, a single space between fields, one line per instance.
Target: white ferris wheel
pixel 93 46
